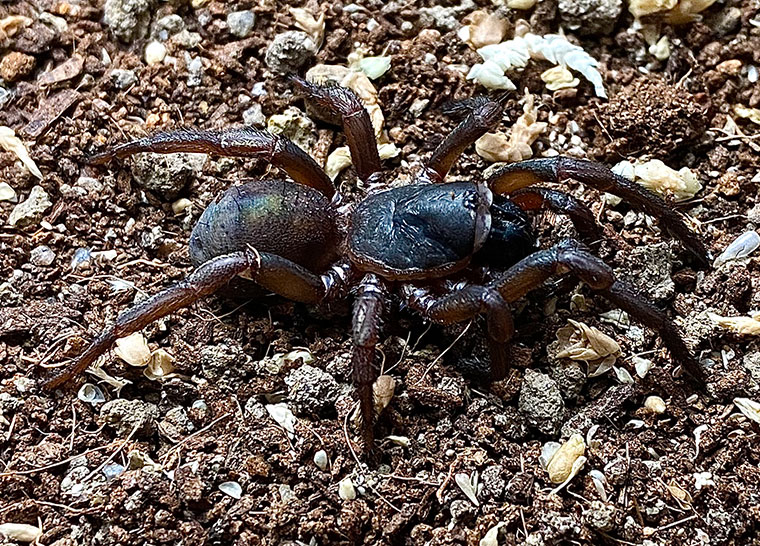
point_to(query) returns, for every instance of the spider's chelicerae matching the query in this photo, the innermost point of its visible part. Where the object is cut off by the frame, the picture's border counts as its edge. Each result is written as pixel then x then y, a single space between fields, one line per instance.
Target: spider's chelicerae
pixel 285 236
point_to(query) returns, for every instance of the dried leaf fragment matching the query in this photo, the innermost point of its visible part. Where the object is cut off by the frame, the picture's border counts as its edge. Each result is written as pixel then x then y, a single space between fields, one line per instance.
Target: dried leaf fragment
pixel 749 326
pixel 749 408
pixel 559 77
pixel 11 143
pixel 752 114
pixel 498 147
pixel 133 349
pixel 20 532
pixel 282 414
pixel 561 464
pixel 482 29
pixel 382 392
pixel 584 342
pixel 12 24
pixel 160 365
pixel 314 27
pixel 683 497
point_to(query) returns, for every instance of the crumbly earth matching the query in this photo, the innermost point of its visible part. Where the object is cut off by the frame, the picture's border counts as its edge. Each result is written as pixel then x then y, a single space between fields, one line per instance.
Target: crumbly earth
pixel 155 470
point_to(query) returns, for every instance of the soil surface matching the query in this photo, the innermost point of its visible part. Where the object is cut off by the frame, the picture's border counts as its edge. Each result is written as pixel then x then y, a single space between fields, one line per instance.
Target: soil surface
pixel 197 458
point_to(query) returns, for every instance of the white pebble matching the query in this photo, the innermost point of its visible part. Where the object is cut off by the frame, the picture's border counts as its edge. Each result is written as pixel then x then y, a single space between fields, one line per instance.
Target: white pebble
pixel 232 489
pixel 320 459
pixel 346 489
pixel 155 52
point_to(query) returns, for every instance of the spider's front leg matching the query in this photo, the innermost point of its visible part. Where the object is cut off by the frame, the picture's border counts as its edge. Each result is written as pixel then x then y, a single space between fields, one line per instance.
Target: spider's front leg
pixel 515 176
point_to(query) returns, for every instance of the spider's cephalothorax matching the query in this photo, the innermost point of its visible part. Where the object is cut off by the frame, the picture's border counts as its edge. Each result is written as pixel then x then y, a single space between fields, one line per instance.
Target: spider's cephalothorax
pixel 284 235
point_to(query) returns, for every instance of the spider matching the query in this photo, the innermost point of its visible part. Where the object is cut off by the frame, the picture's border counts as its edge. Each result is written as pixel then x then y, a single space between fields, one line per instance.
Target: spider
pixel 419 241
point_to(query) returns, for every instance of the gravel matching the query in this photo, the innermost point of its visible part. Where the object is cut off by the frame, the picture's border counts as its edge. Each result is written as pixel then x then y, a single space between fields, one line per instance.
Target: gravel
pixel 241 23
pixel 289 51
pixel 42 256
pixel 311 390
pixel 167 175
pixel 128 415
pixel 123 79
pixel 590 16
pixel 541 402
pixel 129 19
pixel 31 210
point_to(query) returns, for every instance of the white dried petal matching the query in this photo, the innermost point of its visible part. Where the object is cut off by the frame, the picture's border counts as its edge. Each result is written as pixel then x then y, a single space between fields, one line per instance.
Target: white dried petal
pixel 314 27
pixel 181 205
pixel 160 365
pixel 547 452
pixel 91 394
pixel 465 484
pixel 623 375
pixel 749 408
pixel 11 143
pixel 133 349
pixel 375 67
pixel 346 489
pixel 497 146
pixel 321 459
pixel 282 414
pixel 402 441
pixel 600 483
pixel 561 465
pixel 287 358
pixel 661 49
pixel 97 370
pixel 743 246
pixel 703 479
pixel 232 489
pixel 655 404
pixel 642 365
pixel 521 4
pixel 697 437
pixel 491 538
pixel 6 192
pixel 20 532
pixel 338 160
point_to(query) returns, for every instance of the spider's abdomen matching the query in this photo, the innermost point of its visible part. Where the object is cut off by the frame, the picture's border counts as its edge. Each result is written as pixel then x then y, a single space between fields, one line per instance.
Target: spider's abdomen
pixel 291 220
pixel 419 231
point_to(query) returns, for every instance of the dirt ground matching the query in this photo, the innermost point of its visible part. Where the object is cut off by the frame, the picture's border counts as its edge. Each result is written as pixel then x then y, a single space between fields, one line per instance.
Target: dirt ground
pixel 195 458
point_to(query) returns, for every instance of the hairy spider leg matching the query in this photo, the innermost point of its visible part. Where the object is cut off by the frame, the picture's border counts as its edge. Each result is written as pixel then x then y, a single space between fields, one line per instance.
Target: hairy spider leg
pixel 369 307
pixel 272 272
pixel 570 256
pixel 342 103
pixel 464 304
pixel 237 142
pixel 515 176
pixel 483 115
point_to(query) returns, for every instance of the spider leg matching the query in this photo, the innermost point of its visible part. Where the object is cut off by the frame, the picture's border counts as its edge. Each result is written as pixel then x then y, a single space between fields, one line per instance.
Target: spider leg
pixel 343 103
pixel 569 256
pixel 367 323
pixel 530 199
pixel 484 114
pixel 238 142
pixel 464 304
pixel 270 271
pixel 510 178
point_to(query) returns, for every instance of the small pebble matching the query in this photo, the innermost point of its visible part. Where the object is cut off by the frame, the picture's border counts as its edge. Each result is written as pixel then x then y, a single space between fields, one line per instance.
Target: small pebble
pixel 112 470
pixel 195 72
pixel 655 404
pixel 346 489
pixel 253 116
pixel 232 489
pixel 590 16
pixel 16 66
pixel 31 210
pixel 155 52
pixel 241 23
pixel 123 79
pixel 320 459
pixel 128 19
pixel 42 256
pixel 168 26
pixel 6 192
pixel 289 51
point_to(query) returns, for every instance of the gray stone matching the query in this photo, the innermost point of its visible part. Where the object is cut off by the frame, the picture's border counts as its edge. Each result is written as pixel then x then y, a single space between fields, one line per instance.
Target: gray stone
pixel 590 16
pixel 600 516
pixel 128 19
pixel 123 79
pixel 541 402
pixel 222 362
pixel 445 18
pixel 494 482
pixel 751 361
pixel 648 269
pixel 311 389
pixel 176 423
pixel 241 23
pixel 130 415
pixel 570 376
pixel 187 39
pixel 289 51
pixel 168 26
pixel 194 72
pixel 166 174
pixel 254 116
pixel 42 256
pixel 462 511
pixel 31 210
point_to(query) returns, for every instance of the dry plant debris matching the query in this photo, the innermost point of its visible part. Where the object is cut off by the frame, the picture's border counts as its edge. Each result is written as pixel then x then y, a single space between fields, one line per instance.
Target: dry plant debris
pixel 497 146
pixel 656 176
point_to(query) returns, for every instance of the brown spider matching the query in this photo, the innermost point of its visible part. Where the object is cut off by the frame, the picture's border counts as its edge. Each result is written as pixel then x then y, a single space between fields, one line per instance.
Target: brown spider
pixel 284 235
